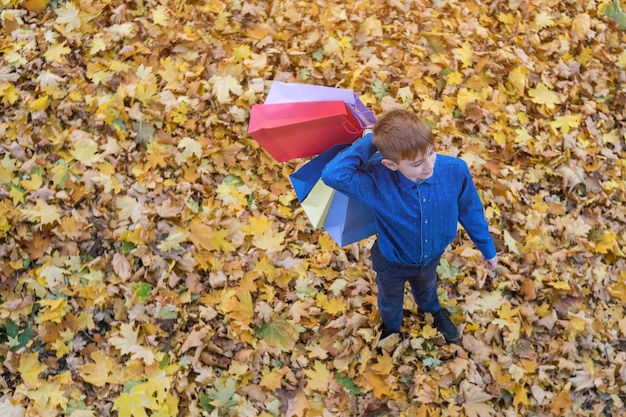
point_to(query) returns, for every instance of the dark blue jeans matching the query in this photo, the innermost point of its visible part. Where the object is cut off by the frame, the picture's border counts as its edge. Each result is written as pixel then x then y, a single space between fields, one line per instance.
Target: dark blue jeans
pixel 391 278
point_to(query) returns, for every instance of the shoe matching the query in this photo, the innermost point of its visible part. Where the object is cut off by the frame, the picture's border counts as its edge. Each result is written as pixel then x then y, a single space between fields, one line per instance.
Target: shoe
pixel 386 333
pixel 445 326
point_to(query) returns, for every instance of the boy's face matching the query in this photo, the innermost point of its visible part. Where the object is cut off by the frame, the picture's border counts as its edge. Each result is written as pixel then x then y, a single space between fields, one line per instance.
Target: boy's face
pixel 421 168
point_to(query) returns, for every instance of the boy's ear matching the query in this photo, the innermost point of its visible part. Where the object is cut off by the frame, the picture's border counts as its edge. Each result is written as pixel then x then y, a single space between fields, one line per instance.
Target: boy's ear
pixel 389 164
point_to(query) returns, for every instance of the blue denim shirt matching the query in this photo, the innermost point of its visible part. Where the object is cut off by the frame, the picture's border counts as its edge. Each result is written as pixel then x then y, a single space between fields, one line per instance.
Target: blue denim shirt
pixel 415 221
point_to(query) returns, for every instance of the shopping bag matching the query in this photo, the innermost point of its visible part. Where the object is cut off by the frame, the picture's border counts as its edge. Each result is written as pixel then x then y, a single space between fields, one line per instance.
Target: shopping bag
pixel 295 130
pixel 317 203
pixel 281 92
pixel 349 220
pixel 308 174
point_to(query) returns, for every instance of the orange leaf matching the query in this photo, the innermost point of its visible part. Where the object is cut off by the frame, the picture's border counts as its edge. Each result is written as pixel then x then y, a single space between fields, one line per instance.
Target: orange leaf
pixel 378 384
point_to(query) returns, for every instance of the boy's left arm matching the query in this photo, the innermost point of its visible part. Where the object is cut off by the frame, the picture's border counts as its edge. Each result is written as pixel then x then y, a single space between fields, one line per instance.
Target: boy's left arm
pixel 472 218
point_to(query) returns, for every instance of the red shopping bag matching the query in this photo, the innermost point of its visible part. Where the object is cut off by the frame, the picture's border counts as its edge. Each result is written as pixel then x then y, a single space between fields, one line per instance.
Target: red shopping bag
pixel 299 129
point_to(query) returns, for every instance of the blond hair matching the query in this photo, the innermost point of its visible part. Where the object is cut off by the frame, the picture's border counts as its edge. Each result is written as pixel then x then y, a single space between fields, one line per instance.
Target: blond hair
pixel 399 134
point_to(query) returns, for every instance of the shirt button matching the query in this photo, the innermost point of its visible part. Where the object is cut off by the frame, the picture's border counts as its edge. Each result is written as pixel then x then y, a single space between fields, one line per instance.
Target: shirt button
pixel 426 241
pixel 425 221
pixel 424 200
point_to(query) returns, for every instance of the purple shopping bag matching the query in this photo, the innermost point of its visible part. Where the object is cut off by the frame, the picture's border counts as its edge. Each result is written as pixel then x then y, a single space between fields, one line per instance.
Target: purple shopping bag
pixel 281 92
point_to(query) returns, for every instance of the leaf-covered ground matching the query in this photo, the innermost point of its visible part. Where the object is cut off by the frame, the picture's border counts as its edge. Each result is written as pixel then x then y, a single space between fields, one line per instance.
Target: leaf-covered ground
pixel 155 261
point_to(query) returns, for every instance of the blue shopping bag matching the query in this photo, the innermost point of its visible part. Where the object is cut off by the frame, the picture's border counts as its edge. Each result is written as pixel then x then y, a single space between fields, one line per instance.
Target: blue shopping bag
pixel 304 179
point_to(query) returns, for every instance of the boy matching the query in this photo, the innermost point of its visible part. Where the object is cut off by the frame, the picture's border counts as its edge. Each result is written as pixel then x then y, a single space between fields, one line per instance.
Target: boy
pixel 417 197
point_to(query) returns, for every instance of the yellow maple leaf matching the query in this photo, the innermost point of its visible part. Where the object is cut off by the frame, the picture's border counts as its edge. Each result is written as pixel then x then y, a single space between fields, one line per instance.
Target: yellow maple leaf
pixel 464 54
pixel 544 95
pixel 41 103
pixel 257 225
pixel 272 380
pixel 543 20
pixel 517 78
pixel 127 339
pixel 319 377
pixel 118 66
pixel 238 305
pixel 521 395
pixel 57 52
pixel 381 388
pixel 9 93
pixel 159 16
pixel 30 368
pixel 96 45
pixel 428 332
pixel 55 311
pixel 32 184
pixel 269 240
pixel 223 86
pixel 129 208
pixel 97 372
pixel 188 148
pixel 42 212
pixel 560 285
pixel 612 137
pixel 565 123
pixel 68 16
pixel 383 365
pixel 174 239
pixel 466 96
pixel 454 78
pixel 205 237
pixel 85 150
pixel 507 18
pixel 242 52
pixel 333 306
pixel 51 394
pixel 130 404
pixel 608 243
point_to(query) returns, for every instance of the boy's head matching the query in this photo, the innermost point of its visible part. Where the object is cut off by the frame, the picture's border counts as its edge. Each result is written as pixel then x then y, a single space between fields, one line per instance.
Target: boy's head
pixel 406 144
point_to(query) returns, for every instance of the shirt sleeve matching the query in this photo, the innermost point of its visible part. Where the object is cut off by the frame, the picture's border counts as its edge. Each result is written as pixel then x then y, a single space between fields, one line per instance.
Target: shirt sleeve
pixel 346 172
pixel 472 217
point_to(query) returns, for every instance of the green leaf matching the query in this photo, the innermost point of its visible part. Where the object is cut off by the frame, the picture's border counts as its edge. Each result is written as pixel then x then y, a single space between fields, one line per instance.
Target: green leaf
pixel 24 338
pixel 614 11
pixel 127 247
pixel 143 290
pixel 223 395
pixel 380 89
pixel 429 361
pixel 279 334
pixel 348 384
pixel 447 271
pixel 11 328
pixel 319 55
pixel 205 403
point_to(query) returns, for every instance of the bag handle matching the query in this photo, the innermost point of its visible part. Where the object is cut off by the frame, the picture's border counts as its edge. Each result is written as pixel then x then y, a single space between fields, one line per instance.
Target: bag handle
pixel 347 127
pixel 360 115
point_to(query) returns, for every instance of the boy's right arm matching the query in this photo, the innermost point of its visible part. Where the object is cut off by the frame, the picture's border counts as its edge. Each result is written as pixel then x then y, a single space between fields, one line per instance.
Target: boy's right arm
pixel 344 173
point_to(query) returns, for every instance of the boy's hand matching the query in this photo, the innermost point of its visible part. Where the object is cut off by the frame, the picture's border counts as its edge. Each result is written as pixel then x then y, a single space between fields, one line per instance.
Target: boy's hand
pixel 492 263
